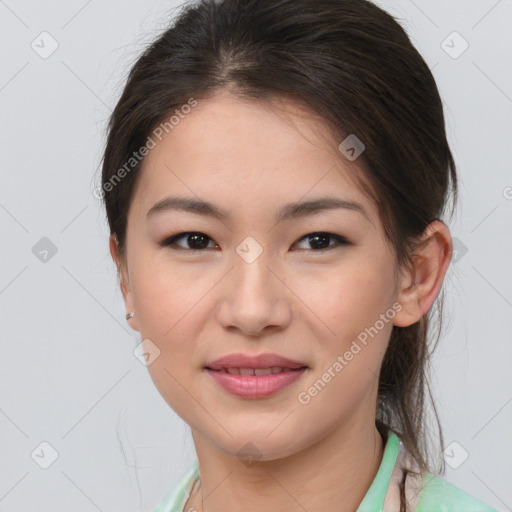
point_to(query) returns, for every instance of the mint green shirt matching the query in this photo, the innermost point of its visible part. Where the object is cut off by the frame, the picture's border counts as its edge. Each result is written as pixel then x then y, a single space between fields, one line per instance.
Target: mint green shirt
pixel 429 493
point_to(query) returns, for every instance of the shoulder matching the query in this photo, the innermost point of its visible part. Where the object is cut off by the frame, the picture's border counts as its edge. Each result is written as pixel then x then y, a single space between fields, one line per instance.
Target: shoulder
pixel 427 492
pixel 442 496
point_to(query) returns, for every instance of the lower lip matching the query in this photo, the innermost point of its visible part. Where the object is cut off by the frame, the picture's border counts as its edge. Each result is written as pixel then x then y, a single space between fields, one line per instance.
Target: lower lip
pixel 255 386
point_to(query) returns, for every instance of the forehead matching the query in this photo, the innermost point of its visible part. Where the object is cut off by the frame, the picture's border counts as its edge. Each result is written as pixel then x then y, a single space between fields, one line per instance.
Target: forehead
pixel 272 152
pixel 244 129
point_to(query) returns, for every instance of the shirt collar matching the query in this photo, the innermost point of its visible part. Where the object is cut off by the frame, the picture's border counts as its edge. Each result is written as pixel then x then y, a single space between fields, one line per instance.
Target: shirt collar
pixel 373 501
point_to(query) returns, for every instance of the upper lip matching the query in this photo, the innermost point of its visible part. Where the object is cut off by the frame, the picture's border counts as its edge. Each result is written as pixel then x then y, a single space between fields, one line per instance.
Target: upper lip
pixel 259 361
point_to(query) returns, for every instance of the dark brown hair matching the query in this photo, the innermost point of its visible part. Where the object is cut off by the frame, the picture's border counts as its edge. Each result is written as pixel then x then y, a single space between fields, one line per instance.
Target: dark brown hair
pixel 353 65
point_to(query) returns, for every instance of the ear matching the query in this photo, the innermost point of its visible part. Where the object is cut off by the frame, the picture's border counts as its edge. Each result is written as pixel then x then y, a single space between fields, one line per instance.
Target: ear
pixel 122 274
pixel 419 286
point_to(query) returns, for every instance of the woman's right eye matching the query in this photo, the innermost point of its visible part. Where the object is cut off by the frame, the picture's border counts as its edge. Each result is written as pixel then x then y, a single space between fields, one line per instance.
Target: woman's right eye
pixel 196 241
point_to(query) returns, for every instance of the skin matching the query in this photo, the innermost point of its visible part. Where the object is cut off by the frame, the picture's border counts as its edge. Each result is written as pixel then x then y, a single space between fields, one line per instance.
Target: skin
pixel 250 159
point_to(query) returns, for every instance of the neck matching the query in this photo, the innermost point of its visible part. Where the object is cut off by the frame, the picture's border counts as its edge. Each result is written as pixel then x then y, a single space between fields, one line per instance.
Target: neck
pixel 333 474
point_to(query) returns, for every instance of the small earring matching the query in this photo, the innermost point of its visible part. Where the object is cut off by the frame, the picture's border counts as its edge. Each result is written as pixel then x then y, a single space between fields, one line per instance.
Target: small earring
pixel 129 315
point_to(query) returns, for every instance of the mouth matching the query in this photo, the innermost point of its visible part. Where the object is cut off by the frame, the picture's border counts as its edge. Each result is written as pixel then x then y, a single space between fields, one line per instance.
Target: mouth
pixel 259 376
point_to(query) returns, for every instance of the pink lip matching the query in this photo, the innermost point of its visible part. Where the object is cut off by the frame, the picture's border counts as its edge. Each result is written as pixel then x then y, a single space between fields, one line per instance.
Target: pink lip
pixel 255 386
pixel 240 360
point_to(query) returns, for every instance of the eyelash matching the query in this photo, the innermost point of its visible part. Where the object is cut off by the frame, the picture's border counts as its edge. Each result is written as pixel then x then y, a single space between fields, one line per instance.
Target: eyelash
pixel 170 242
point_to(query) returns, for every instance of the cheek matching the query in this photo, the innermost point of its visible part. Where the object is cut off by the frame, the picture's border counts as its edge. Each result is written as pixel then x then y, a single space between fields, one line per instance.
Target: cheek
pixel 170 316
pixel 167 299
pixel 172 307
pixel 350 298
pixel 360 320
pixel 351 303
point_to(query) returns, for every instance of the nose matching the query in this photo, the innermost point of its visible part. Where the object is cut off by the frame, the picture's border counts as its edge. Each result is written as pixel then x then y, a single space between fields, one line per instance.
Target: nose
pixel 255 299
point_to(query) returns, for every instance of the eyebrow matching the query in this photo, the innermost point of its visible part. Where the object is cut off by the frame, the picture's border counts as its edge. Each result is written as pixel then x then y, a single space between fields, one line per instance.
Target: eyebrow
pixel 287 212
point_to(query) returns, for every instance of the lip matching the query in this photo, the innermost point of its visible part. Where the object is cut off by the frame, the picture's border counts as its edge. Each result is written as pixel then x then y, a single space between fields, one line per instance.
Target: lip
pixel 255 386
pixel 240 360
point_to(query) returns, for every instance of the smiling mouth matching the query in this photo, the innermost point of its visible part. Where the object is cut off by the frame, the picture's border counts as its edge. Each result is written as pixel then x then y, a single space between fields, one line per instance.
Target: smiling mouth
pixel 256 383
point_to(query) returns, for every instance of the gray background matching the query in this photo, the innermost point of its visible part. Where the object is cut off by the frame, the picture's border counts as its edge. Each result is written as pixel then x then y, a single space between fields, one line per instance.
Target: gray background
pixel 68 375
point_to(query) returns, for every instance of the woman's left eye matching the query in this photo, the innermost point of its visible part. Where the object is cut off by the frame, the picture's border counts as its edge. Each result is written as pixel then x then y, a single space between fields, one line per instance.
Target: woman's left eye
pixel 319 241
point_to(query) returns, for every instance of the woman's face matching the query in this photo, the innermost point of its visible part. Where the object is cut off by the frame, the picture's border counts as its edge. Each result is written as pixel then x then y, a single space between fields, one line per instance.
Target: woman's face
pixel 256 283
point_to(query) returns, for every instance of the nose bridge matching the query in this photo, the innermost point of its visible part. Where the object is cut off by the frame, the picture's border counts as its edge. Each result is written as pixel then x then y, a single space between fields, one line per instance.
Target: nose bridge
pixel 253 276
pixel 256 297
pixel 251 261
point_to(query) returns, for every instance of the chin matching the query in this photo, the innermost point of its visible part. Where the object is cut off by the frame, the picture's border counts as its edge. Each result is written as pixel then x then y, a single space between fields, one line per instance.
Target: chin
pixel 259 445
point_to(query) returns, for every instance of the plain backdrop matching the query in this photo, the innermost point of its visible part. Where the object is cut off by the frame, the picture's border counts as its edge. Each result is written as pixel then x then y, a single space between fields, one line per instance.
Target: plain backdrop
pixel 73 396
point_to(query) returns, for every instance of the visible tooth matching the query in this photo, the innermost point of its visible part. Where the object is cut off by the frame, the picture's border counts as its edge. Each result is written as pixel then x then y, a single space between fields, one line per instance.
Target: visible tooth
pixel 263 371
pixel 257 371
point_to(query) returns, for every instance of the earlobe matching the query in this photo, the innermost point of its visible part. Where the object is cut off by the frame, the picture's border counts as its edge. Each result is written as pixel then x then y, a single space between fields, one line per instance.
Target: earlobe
pixel 122 274
pixel 420 285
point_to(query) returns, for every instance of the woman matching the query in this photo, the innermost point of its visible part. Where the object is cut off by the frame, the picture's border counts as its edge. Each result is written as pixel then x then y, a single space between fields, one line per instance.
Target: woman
pixel 302 142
